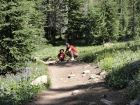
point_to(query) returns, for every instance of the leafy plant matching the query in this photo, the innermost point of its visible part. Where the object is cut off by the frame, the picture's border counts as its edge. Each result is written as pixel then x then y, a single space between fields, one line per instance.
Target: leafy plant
pixel 133 87
pixel 17 90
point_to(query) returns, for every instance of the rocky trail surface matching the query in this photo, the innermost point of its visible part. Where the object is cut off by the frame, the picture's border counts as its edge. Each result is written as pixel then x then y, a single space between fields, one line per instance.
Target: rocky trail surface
pixel 78 83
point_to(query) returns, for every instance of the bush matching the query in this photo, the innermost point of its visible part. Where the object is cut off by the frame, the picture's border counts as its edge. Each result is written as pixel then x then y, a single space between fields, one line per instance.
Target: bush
pixel 16 89
pixel 133 89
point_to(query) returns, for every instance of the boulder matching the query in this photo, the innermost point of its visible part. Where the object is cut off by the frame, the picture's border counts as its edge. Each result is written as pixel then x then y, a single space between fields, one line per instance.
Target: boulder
pixel 40 80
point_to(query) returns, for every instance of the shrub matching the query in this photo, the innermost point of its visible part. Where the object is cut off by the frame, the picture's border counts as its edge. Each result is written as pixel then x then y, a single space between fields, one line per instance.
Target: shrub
pixel 16 89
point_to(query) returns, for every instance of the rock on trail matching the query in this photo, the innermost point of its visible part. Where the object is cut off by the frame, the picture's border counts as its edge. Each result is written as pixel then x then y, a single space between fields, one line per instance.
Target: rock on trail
pixel 71 84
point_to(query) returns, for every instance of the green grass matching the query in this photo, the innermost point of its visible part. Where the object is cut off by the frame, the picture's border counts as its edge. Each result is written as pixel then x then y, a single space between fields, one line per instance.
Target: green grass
pixel 16 89
pixel 120 60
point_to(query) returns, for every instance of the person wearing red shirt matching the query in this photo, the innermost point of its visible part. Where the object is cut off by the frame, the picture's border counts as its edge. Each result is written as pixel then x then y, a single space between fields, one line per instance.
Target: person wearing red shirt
pixel 61 55
pixel 71 51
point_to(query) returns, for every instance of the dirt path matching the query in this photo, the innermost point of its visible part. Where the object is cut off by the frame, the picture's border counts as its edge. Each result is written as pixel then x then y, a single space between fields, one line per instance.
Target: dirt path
pixel 78 89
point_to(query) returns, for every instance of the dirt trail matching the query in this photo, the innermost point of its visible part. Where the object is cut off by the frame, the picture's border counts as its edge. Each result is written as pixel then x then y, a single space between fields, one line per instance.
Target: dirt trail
pixel 62 90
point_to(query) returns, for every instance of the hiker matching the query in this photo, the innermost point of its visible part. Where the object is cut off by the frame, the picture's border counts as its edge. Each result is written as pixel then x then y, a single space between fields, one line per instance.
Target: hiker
pixel 71 51
pixel 61 55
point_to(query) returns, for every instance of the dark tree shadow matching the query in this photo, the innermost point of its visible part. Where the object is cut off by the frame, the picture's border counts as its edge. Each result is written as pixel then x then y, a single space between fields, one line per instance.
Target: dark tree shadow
pixel 96 92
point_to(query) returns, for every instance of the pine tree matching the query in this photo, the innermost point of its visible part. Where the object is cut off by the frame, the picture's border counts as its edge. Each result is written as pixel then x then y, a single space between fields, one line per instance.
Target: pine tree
pixel 76 18
pixel 137 18
pixel 105 21
pixel 123 15
pixel 50 27
pixel 19 24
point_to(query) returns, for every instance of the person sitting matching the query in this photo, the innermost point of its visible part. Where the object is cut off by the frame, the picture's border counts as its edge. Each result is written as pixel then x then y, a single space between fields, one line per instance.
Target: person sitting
pixel 61 55
pixel 71 51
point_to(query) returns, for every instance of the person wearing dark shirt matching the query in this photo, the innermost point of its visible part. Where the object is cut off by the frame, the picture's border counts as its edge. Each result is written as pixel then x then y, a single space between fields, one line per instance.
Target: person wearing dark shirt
pixel 61 55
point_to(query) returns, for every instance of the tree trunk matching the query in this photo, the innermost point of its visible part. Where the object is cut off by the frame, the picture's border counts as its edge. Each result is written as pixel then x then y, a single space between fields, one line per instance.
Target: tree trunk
pixel 133 18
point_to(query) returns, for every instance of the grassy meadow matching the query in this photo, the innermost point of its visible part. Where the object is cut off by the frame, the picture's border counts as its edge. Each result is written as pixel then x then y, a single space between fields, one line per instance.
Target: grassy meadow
pixel 120 60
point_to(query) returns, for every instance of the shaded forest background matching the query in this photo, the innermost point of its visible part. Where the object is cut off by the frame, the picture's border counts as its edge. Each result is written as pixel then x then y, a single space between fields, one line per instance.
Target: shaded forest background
pixel 26 24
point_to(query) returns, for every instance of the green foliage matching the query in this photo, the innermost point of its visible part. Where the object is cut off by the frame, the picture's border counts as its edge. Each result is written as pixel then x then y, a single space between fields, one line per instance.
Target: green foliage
pixel 76 19
pixel 104 21
pixel 19 27
pixel 133 87
pixel 94 21
pixel 17 90
pixel 120 60
pixel 123 19
pixel 106 62
pixel 47 52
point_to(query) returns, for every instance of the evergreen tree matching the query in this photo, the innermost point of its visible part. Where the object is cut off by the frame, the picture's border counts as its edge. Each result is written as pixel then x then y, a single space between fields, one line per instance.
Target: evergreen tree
pixel 76 19
pixel 64 17
pixel 132 19
pixel 129 19
pixel 19 24
pixel 91 26
pixel 123 15
pixel 104 21
pixel 137 18
pixel 50 27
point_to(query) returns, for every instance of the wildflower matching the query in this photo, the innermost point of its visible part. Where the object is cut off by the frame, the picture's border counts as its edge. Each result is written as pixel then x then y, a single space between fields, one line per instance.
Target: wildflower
pixel 12 93
pixel 112 66
pixel 28 71
pixel 17 79
pixel 122 52
pixel 28 78
pixel 134 87
pixel 41 71
pixel 5 89
pixel 28 87
pixel 36 68
pixel 0 86
pixel 22 78
pixel 135 68
pixel 23 71
pixel 132 58
pixel 27 68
